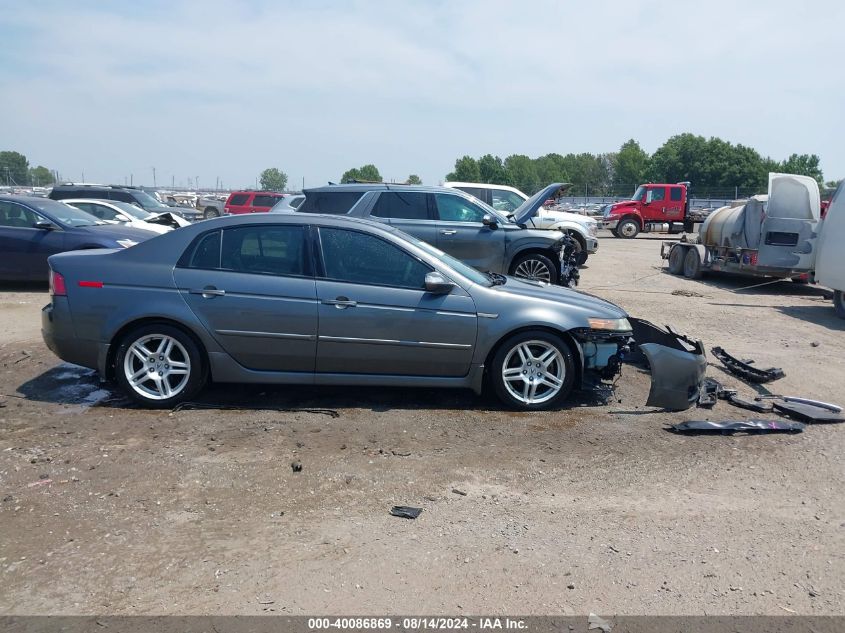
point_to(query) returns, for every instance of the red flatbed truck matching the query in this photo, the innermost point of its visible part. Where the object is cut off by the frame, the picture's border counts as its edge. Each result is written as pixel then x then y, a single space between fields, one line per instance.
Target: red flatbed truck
pixel 653 207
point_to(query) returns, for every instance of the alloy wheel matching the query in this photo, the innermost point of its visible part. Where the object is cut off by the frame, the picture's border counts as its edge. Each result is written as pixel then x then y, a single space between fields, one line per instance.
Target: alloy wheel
pixel 534 269
pixel 157 367
pixel 533 372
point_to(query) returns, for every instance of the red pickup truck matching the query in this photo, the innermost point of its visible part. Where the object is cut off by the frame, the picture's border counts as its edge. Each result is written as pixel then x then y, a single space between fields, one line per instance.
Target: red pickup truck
pixel 653 207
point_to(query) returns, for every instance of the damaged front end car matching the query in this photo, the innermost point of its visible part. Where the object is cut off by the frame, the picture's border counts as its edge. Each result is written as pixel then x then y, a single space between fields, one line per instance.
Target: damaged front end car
pixel 678 364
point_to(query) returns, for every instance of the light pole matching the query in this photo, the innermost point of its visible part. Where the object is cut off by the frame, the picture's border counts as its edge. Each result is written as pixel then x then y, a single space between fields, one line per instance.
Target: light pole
pixel 154 177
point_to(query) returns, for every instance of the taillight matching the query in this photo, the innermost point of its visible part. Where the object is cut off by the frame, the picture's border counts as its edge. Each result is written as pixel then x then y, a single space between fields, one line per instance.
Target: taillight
pixel 57 284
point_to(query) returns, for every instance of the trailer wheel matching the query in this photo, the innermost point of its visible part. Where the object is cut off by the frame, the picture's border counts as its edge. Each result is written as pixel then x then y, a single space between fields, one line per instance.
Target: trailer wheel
pixel 839 303
pixel 628 229
pixel 692 264
pixel 676 260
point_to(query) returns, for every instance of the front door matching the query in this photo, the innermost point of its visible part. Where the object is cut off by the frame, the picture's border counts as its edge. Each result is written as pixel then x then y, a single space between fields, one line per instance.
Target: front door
pixel 654 206
pixel 377 318
pixel 255 294
pixel 24 249
pixel 462 234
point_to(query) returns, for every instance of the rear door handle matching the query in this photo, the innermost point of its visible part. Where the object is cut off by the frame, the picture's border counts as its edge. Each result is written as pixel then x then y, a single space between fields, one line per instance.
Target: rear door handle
pixel 340 303
pixel 208 292
pixel 448 232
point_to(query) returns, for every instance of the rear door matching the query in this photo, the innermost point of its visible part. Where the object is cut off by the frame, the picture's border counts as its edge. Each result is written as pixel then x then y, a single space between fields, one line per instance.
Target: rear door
pixel 409 211
pixel 462 234
pixel 238 203
pixel 252 288
pixel 262 202
pixel 377 318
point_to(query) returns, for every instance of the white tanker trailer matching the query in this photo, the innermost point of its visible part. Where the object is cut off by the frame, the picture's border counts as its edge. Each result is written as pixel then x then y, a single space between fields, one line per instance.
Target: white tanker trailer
pixel 772 235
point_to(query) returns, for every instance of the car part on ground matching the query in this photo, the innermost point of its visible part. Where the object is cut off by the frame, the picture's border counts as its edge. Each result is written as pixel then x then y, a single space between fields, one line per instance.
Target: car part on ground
pixel 729 427
pixel 677 362
pixel 405 512
pixel 745 370
pixel 751 405
pixel 808 412
pixel 364 304
pixel 711 392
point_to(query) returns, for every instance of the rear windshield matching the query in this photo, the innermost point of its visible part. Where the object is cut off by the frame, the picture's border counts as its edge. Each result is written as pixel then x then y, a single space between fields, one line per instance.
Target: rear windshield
pixel 331 202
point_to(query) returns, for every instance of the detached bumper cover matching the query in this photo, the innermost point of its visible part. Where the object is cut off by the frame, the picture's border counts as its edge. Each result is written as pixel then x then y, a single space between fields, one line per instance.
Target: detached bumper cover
pixel 678 365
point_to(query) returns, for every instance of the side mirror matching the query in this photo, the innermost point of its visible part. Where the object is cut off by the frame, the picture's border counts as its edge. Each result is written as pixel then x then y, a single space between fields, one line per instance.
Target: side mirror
pixel 121 218
pixel 45 225
pixel 437 284
pixel 649 196
pixel 489 221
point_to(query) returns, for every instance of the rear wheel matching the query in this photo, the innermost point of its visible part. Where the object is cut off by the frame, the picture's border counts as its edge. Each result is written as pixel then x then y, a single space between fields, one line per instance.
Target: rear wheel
pixel 628 229
pixel 533 370
pixel 536 267
pixel 211 212
pixel 676 260
pixel 692 264
pixel 839 303
pixel 159 365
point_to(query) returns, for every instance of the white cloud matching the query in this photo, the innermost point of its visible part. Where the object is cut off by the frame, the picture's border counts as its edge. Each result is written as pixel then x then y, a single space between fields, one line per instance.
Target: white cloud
pixel 222 89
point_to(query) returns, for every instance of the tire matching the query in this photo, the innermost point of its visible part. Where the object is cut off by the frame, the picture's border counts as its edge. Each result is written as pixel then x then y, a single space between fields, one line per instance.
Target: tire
pixel 210 212
pixel 676 260
pixel 614 232
pixel 533 351
pixel 580 251
pixel 628 229
pixel 839 303
pixel 692 264
pixel 535 266
pixel 177 362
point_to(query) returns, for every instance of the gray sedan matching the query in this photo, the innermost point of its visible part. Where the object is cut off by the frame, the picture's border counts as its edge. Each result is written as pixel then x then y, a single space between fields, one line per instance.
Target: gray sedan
pixel 327 300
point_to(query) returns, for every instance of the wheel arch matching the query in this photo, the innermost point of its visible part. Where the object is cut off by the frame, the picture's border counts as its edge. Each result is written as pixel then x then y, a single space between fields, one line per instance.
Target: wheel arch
pixel 536 250
pixel 567 338
pixel 119 335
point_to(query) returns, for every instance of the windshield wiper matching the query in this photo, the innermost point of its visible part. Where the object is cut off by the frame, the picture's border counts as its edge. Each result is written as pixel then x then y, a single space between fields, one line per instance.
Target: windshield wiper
pixel 495 278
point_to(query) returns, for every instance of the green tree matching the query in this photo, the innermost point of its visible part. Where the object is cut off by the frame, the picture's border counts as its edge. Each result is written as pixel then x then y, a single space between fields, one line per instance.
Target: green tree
pixel 551 168
pixel 14 169
pixel 491 169
pixel 367 173
pixel 522 173
pixel 273 179
pixel 803 164
pixel 40 176
pixel 631 164
pixel 466 170
pixel 413 179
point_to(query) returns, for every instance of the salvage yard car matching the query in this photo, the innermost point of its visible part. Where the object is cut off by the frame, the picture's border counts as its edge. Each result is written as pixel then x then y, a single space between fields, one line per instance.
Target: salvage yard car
pixel 328 300
pixel 116 212
pixel 457 223
pixel 32 229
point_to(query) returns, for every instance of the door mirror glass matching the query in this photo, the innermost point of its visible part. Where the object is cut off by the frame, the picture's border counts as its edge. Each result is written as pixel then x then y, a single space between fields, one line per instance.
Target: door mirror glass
pixel 489 221
pixel 649 196
pixel 437 284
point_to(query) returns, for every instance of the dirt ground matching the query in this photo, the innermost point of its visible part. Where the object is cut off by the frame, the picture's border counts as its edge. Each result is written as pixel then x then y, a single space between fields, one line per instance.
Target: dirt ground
pixel 107 509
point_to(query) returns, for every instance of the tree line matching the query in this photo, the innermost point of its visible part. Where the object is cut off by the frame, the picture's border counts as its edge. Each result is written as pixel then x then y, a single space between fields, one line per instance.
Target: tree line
pixel 16 172
pixel 709 164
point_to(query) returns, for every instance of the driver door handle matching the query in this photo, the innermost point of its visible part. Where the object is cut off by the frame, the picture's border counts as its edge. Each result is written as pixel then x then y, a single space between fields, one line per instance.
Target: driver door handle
pixel 340 303
pixel 208 292
pixel 448 232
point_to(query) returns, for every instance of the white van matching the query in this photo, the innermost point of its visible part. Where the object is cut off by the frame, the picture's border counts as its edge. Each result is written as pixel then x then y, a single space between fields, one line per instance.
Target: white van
pixel 830 256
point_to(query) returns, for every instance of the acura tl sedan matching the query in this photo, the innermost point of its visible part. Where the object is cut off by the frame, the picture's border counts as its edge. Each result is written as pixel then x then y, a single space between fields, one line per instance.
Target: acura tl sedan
pixel 325 300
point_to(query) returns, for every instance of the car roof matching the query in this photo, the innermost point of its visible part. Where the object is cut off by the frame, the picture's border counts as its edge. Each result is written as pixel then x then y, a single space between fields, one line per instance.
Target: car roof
pixel 482 185
pixel 377 186
pixel 38 203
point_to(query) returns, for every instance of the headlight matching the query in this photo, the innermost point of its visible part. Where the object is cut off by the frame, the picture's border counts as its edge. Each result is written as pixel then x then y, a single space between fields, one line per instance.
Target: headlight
pixel 126 243
pixel 593 229
pixel 613 325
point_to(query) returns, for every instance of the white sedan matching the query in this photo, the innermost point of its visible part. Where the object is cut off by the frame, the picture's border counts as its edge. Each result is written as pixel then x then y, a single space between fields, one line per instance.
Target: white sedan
pixel 116 212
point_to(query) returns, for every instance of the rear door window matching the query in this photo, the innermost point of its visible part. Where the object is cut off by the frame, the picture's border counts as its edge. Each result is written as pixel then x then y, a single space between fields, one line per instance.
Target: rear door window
pixel 271 250
pixel 478 192
pixel 239 199
pixel 676 194
pixel 263 200
pixel 406 205
pixel 205 254
pixel 330 202
pixel 504 200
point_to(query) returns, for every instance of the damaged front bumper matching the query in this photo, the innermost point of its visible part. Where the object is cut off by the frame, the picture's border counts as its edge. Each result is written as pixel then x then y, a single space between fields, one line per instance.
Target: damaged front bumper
pixel 678 364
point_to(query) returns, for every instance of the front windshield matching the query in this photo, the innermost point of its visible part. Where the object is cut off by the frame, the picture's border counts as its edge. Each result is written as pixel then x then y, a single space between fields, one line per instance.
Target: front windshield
pixel 148 202
pixel 639 193
pixel 131 210
pixel 458 266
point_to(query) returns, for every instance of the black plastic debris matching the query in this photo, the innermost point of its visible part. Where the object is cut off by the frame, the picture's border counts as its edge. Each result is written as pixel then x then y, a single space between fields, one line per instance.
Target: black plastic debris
pixel 713 391
pixel 751 405
pixel 728 427
pixel 816 403
pixel 745 370
pixel 405 512
pixel 808 412
pixel 296 467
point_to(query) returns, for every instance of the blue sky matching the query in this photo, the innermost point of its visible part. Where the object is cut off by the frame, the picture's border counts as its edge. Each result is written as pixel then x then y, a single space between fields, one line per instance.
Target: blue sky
pixel 224 89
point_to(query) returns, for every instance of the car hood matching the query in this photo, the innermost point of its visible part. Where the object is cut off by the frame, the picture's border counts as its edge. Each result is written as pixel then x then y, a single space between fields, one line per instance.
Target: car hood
pixel 117 232
pixel 561 216
pixel 622 204
pixel 530 207
pixel 559 295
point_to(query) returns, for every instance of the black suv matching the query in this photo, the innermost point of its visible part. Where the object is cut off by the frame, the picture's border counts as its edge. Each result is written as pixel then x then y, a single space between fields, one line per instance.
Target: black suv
pixel 132 195
pixel 457 223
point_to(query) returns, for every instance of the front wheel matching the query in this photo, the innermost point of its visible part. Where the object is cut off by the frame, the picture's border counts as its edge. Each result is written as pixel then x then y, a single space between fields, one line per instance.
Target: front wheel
pixel 533 371
pixel 536 267
pixel 628 229
pixel 211 212
pixel 839 303
pixel 159 365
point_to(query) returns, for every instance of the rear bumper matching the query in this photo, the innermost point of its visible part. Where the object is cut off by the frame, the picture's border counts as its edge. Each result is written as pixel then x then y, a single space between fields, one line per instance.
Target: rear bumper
pixel 57 332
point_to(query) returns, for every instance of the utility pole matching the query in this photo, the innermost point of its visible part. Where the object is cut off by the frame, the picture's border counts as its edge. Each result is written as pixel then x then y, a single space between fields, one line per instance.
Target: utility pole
pixel 172 182
pixel 131 180
pixel 197 183
pixel 83 175
pixel 154 177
